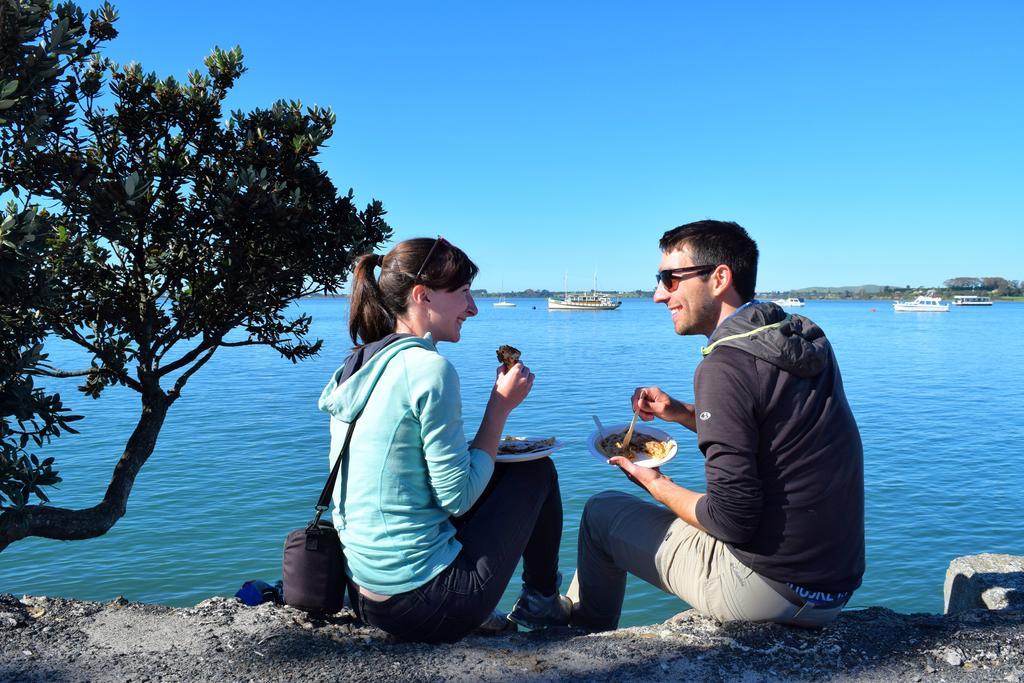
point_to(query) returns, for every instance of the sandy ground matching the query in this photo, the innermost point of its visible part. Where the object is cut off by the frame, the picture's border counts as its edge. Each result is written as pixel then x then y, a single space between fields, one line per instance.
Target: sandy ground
pixel 48 639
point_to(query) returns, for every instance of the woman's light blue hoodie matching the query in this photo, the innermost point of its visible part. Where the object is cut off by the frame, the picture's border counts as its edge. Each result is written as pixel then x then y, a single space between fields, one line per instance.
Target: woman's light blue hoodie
pixel 409 468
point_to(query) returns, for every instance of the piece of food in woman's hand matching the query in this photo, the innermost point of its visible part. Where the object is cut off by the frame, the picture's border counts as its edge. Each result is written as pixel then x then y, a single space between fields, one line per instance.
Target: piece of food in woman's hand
pixel 641 446
pixel 522 444
pixel 508 355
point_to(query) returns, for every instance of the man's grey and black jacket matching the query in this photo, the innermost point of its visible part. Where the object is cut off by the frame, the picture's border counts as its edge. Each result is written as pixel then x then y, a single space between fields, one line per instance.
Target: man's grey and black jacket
pixel 783 456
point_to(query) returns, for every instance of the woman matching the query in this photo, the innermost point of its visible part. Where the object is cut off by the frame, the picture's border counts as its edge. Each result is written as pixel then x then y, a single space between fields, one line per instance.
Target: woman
pixel 432 527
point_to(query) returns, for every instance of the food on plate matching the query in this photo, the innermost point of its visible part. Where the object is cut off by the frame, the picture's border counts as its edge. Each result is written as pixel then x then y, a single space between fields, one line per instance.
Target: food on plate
pixel 508 355
pixel 641 446
pixel 521 444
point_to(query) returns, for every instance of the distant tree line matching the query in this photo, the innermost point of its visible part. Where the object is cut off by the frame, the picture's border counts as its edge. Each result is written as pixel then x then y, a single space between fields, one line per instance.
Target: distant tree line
pixel 996 286
pixel 544 293
pixel 988 286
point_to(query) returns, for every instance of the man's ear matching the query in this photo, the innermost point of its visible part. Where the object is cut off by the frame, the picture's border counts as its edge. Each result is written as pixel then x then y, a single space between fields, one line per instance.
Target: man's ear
pixel 419 294
pixel 721 279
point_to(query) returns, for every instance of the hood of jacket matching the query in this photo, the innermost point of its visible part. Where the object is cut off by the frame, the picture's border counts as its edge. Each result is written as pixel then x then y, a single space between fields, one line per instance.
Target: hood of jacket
pixel 351 385
pixel 790 342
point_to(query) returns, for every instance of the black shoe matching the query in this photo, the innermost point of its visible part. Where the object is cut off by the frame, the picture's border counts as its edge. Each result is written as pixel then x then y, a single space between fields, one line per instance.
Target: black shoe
pixel 534 610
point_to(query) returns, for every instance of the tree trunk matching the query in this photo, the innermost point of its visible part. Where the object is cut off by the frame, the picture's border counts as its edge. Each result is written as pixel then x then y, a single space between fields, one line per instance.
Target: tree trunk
pixel 71 525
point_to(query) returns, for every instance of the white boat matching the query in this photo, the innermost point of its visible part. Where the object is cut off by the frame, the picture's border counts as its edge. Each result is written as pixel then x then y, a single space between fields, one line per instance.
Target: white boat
pixel 501 303
pixel 594 301
pixel 584 302
pixel 791 302
pixel 972 301
pixel 925 304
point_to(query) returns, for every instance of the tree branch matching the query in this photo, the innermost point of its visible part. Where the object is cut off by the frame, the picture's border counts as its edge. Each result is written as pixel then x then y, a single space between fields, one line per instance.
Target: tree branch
pixel 165 342
pixel 209 342
pixel 131 383
pixel 69 525
pixel 53 522
pixel 186 359
pixel 60 373
pixel 180 384
pixel 72 335
pixel 248 342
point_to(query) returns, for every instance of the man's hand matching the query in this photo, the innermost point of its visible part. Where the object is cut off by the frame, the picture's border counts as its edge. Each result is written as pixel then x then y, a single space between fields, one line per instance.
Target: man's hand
pixel 644 477
pixel 652 402
pixel 681 501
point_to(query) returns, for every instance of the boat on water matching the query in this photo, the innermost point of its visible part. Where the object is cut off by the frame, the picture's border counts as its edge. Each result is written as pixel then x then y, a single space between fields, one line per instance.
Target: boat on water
pixel 972 301
pixel 594 301
pixel 584 302
pixel 923 304
pixel 501 303
pixel 791 302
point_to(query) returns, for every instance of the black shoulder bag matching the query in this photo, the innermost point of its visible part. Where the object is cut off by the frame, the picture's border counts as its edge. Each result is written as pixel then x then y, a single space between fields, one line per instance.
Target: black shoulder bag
pixel 313 567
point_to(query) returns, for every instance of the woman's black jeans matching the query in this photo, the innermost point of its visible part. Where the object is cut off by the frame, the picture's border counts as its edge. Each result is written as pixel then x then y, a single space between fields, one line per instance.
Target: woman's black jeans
pixel 518 515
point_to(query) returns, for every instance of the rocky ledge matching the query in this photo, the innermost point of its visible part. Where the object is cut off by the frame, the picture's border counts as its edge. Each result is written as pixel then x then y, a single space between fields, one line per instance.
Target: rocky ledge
pixel 49 639
pixel 980 639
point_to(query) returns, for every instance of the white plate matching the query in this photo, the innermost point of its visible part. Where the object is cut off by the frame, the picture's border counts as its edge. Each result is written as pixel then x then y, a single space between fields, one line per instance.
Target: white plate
pixel 531 455
pixel 596 436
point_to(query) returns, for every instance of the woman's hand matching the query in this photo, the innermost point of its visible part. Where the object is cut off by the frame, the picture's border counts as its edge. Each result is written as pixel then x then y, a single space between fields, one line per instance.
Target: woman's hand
pixel 511 386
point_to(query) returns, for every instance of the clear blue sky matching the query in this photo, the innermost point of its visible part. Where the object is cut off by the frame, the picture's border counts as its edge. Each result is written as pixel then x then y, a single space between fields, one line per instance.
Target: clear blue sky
pixel 858 142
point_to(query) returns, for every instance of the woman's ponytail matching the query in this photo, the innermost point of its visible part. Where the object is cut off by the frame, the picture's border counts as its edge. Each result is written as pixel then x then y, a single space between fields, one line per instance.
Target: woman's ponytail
pixel 369 318
pixel 378 303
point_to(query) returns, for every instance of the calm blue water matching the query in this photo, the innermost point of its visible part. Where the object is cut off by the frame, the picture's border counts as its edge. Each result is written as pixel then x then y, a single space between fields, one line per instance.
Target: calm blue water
pixel 242 455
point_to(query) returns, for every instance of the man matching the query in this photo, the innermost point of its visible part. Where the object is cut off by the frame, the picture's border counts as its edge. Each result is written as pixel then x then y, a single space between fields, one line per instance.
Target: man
pixel 779 534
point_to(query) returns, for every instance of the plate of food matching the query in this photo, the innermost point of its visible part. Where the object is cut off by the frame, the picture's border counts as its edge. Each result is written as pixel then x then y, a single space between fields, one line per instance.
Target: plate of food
pixel 523 448
pixel 649 447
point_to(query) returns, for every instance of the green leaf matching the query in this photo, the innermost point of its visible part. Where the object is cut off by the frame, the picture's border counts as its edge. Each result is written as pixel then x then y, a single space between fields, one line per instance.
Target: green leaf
pixel 59 29
pixel 130 183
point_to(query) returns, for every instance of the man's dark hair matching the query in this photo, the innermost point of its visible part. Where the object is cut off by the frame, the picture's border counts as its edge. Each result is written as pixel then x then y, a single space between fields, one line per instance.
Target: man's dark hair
pixel 715 243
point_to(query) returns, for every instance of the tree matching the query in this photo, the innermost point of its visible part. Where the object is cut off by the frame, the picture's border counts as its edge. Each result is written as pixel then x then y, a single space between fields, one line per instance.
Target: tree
pixel 42 52
pixel 962 283
pixel 996 285
pixel 172 230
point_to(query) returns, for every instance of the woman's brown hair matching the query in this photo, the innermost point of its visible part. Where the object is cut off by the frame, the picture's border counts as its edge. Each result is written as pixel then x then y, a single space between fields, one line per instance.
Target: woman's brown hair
pixel 377 302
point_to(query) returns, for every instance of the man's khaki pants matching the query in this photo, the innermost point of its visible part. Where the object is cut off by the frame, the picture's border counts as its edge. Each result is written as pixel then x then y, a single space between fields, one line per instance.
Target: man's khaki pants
pixel 620 533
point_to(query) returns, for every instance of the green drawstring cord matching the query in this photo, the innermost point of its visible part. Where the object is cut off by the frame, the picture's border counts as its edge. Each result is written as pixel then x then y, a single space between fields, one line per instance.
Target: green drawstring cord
pixel 705 350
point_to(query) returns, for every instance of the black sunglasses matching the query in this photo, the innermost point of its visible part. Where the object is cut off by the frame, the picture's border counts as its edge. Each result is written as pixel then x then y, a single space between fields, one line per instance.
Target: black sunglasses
pixel 667 277
pixel 438 240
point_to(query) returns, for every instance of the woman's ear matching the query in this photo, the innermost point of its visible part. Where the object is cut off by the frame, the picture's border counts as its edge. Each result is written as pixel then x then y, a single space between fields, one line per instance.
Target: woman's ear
pixel 419 294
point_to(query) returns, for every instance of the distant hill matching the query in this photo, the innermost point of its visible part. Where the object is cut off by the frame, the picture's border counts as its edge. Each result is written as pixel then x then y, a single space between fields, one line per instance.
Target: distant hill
pixel 866 289
pixel 545 293
pixel 849 292
pixel 879 292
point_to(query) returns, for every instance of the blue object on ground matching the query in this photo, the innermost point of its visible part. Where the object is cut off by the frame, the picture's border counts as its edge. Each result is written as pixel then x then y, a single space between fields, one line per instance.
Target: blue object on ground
pixel 254 593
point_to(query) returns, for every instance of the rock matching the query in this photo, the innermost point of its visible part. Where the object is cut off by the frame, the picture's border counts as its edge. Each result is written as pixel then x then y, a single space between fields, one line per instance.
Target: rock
pixel 223 640
pixel 989 581
pixel 9 620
